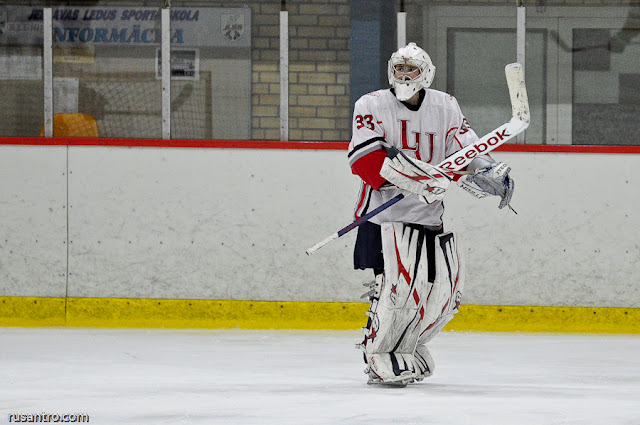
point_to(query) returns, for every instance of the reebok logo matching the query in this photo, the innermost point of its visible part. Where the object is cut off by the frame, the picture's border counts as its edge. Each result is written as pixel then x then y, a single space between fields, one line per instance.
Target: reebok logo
pixel 464 156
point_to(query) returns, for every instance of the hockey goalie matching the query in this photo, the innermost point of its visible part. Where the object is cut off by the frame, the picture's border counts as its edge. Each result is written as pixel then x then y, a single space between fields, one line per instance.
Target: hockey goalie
pixel 399 136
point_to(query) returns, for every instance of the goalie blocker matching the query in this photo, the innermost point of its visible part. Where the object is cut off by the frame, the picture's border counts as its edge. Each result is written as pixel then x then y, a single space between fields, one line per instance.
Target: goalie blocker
pixel 414 176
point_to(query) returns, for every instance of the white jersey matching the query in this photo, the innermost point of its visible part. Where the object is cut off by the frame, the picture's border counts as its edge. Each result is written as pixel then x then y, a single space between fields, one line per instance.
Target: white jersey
pixel 430 133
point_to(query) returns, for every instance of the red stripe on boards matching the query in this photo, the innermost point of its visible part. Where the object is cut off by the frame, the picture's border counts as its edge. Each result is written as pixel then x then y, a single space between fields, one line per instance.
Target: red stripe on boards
pixel 174 143
pixel 272 144
pixel 569 148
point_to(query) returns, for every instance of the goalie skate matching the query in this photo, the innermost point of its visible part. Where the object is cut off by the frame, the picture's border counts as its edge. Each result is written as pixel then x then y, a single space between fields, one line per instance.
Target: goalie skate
pixel 392 369
pixel 399 383
pixel 374 380
pixel 424 363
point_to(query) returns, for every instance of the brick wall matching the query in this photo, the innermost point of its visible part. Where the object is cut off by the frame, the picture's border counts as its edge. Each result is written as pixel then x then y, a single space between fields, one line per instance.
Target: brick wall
pixel 318 70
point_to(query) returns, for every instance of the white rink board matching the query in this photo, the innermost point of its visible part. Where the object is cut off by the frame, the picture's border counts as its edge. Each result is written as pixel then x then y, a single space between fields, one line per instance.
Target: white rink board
pixel 208 224
pixel 234 224
pixel 574 241
pixel 33 228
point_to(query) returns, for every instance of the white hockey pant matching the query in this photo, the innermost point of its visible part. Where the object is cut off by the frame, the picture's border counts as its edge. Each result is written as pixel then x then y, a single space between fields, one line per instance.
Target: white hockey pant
pixel 409 310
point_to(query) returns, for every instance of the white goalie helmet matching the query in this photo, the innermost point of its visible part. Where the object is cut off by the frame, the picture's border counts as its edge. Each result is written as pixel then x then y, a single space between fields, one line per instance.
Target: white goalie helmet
pixel 410 69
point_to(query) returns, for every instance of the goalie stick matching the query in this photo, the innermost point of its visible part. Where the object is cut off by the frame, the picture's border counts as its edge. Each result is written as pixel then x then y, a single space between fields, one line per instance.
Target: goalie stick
pixel 519 122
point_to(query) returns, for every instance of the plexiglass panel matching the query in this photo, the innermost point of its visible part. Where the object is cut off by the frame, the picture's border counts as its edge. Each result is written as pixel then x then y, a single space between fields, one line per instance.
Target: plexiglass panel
pixel 582 66
pixel 21 77
pixel 475 76
pixel 606 86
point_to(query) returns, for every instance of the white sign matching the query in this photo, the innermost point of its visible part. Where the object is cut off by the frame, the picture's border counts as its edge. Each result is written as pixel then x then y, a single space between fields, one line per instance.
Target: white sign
pixel 185 64
pixel 190 27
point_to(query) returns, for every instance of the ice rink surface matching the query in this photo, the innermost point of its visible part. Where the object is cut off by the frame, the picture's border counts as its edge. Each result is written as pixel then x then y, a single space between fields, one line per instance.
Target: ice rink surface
pixel 314 377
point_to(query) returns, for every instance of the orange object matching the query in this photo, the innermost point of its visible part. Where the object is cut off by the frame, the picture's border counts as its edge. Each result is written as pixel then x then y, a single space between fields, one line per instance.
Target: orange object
pixel 73 125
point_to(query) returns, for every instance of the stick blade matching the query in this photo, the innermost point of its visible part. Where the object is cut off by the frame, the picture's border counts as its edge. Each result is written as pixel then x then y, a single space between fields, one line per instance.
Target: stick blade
pixel 518 92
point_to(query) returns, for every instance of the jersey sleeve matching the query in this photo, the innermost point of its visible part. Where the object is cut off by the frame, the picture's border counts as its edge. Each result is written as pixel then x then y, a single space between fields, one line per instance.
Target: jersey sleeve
pixel 460 133
pixel 366 153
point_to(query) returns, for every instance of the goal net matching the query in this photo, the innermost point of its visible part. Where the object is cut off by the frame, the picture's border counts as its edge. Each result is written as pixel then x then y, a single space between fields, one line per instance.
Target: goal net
pixel 129 105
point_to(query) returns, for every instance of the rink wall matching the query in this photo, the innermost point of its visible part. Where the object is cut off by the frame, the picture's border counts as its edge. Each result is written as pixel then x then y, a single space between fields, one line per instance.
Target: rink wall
pixel 110 232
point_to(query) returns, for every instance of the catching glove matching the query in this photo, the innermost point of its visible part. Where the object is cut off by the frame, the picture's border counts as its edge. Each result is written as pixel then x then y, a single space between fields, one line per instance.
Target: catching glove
pixel 491 181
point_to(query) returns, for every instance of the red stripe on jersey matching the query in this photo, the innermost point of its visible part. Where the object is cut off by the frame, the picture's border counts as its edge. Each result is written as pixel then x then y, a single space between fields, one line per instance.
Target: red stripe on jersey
pixel 368 168
pixel 363 195
pixel 449 131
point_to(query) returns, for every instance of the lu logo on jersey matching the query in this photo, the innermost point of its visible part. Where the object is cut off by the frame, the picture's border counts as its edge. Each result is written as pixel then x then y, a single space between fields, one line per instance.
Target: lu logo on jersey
pixel 415 147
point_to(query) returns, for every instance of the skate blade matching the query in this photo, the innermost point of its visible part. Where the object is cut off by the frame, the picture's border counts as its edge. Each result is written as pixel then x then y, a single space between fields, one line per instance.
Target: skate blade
pixel 399 382
pixel 393 384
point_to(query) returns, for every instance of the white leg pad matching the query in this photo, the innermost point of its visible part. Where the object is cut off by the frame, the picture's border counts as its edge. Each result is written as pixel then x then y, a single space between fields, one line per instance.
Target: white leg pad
pixel 444 300
pixel 396 315
pixel 409 310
